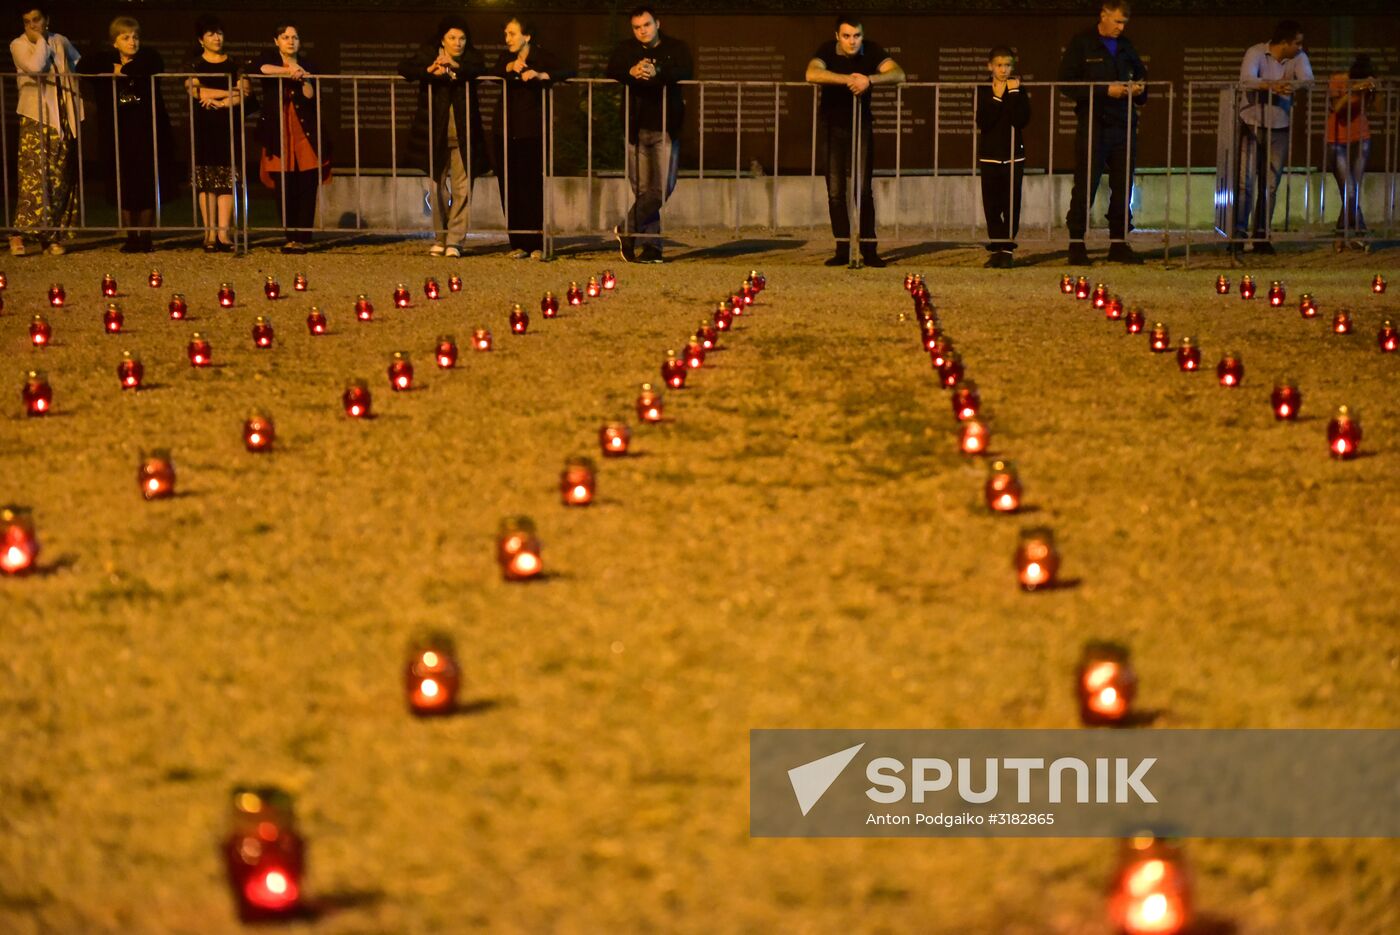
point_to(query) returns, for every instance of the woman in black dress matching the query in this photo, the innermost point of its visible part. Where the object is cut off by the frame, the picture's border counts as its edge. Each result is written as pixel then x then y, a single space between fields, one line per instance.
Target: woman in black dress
pixel 217 97
pixel 528 70
pixel 293 152
pixel 134 130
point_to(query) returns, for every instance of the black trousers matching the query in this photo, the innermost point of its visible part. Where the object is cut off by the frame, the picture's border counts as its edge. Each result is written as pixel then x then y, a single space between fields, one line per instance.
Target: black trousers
pixel 839 153
pixel 522 192
pixel 1110 154
pixel 1001 202
pixel 300 189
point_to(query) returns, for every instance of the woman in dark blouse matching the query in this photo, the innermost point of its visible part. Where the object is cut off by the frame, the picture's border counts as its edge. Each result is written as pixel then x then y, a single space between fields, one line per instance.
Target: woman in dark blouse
pixel 218 140
pixel 528 70
pixel 293 152
pixel 133 129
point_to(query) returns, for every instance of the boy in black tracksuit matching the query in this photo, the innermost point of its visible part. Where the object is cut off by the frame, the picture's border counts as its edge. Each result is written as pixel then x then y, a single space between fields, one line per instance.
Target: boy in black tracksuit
pixel 1003 110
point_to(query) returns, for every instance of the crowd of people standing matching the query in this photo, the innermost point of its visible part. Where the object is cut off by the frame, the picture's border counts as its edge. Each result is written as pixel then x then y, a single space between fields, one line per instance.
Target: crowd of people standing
pixel 1101 72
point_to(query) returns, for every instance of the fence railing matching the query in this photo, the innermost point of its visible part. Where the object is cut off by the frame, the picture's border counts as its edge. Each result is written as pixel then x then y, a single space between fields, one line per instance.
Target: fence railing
pixel 926 185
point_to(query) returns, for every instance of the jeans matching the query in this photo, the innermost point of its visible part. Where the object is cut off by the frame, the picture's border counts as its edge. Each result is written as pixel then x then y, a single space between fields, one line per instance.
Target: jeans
pixel 652 172
pixel 1262 151
pixel 1348 172
pixel 1112 152
pixel 838 177
pixel 1001 203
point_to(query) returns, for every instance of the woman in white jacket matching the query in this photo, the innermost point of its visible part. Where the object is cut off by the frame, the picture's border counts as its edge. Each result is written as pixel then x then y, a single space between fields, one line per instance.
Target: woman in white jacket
pixel 49 111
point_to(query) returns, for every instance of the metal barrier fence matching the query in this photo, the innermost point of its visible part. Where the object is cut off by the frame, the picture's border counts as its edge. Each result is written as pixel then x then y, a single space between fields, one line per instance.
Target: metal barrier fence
pixel 928 160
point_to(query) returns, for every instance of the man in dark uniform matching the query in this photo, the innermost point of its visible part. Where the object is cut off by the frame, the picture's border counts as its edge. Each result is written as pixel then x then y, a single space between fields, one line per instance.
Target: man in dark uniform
pixel 846 67
pixel 1105 139
pixel 650 64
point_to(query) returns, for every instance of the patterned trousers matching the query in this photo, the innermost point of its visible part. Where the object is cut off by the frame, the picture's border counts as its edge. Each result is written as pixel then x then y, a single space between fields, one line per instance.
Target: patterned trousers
pixel 48 204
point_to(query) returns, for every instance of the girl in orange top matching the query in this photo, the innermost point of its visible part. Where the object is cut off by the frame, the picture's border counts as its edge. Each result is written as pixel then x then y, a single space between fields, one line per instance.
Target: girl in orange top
pixel 1349 95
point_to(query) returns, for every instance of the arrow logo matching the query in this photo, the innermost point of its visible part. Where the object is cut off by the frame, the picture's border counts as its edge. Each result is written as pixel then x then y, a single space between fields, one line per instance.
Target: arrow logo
pixel 811 780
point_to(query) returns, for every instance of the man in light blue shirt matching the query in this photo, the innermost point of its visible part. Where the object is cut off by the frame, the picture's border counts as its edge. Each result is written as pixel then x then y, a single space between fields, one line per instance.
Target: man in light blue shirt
pixel 1271 73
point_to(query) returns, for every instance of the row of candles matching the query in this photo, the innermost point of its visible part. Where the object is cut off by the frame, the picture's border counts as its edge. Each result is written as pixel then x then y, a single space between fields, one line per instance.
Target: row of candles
pixel 1285 400
pixel 1151 889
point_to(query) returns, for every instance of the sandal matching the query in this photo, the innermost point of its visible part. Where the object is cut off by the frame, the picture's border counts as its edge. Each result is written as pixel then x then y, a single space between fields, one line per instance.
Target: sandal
pixel 17 246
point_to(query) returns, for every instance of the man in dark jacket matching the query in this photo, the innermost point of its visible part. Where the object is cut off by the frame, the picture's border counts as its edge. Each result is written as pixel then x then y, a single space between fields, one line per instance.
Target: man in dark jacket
pixel 650 64
pixel 1003 111
pixel 1106 136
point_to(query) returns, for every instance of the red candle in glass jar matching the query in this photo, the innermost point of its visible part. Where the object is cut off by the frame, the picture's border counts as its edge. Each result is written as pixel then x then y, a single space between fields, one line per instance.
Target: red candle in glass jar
pixel 519 320
pixel 1277 294
pixel 40 331
pixel 299 282
pixel 1151 892
pixel 199 351
pixel 1188 355
pixel 1105 685
pixel 1386 337
pixel 401 296
pixel 112 319
pixel 431 289
pixel 594 290
pixel 154 279
pixel 56 295
pixel 431 676
pixel 400 372
pixel 760 281
pixel 1246 286
pixel 609 280
pixel 1341 322
pixel 930 335
pixel 1159 340
pixel 356 399
pixel 1081 287
pixel 1285 400
pixel 130 371
pixel 4 282
pixel 454 283
pixel 951 373
pixel 746 294
pixel 226 295
pixel 1037 561
pixel 649 405
pixel 966 401
pixel 1067 284
pixel 974 437
pixel 1378 284
pixel 673 371
pixel 446 352
pixel 1133 321
pixel 272 288
pixel 1099 297
pixel 258 432
pixel 364 308
pixel 1344 434
pixel 1113 309
pixel 614 439
pixel 316 321
pixel 575 295
pixel 1230 370
pixel 549 305
pixel 19 544
pixel 518 549
pixel 707 335
pixel 37 394
pixel 694 355
pixel 156 475
pixel 1222 285
pixel 577 482
pixel 109 286
pixel 481 339
pixel 1003 488
pixel 908 282
pixel 736 303
pixel 264 855
pixel 724 318
pixel 1307 306
pixel 262 333
pixel 942 347
pixel 177 308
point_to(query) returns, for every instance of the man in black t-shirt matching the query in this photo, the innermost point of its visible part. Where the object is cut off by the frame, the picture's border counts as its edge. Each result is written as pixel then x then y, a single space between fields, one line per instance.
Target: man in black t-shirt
pixel 846 68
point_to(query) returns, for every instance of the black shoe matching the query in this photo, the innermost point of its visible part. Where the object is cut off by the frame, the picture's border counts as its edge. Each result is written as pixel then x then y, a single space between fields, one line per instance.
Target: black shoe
pixel 132 245
pixel 1264 248
pixel 873 261
pixel 1120 252
pixel 840 259
pixel 649 255
pixel 624 245
pixel 993 262
pixel 1078 256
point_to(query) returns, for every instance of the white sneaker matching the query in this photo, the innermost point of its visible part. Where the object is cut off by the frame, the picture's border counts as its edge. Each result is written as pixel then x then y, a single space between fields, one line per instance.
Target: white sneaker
pixel 518 255
pixel 436 249
pixel 537 254
pixel 454 252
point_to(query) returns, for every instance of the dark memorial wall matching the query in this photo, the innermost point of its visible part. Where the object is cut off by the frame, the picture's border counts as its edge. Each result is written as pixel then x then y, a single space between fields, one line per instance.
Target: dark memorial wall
pixel 766 48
